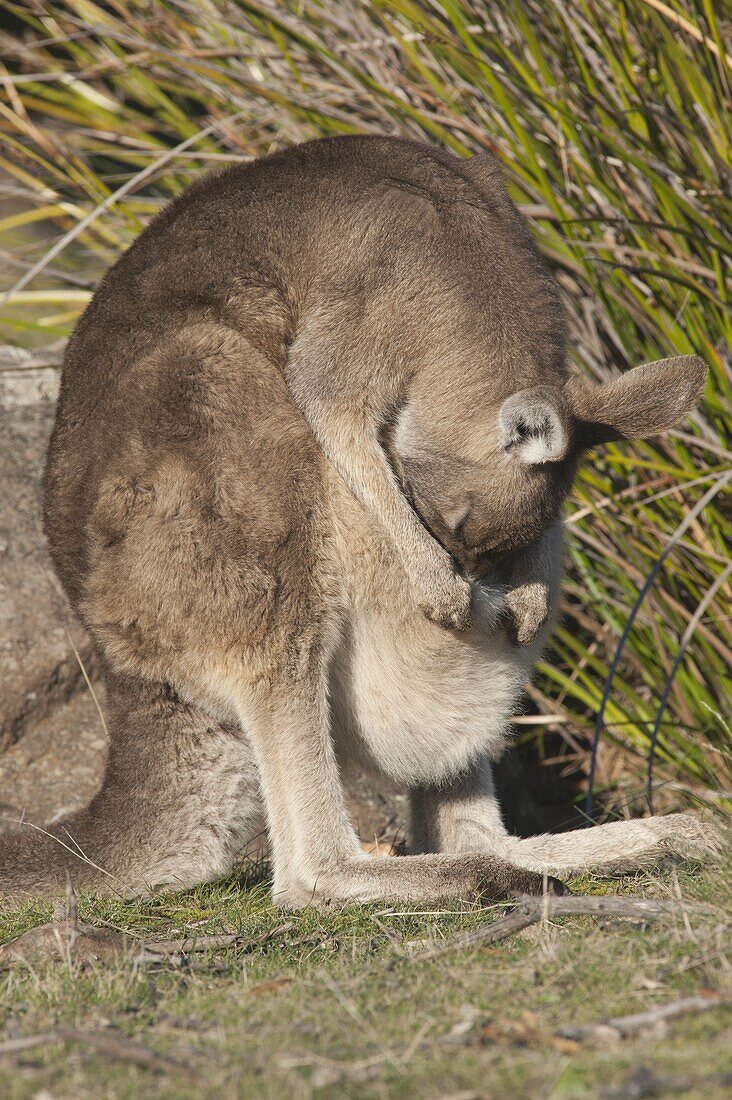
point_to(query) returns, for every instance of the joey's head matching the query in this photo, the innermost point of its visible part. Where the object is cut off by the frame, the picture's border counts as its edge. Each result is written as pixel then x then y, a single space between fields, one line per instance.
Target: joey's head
pixel 490 481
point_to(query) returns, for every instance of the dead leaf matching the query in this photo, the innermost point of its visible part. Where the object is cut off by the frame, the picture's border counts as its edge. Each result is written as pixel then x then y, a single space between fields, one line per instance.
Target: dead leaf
pixel 378 847
pixel 270 986
pixel 525 1031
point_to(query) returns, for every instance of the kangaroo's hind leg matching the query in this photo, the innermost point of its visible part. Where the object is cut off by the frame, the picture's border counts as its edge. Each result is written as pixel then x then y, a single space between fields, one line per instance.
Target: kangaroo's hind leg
pixel 179 802
pixel 464 816
pixel 317 857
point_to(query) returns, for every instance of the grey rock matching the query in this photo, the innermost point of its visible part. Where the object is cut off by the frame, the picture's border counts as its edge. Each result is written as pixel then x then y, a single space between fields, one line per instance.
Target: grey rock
pixel 56 766
pixel 38 668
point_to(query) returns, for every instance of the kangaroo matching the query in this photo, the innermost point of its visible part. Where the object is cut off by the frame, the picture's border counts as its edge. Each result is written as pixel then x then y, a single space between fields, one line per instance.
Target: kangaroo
pixel 304 489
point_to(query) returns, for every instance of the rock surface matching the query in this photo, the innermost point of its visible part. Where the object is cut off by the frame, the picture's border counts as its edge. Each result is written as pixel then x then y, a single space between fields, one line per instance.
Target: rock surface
pixel 56 765
pixel 38 668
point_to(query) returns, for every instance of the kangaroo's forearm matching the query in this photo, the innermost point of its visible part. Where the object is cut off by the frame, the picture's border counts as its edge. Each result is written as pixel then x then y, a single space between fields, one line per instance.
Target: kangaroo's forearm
pixel 349 438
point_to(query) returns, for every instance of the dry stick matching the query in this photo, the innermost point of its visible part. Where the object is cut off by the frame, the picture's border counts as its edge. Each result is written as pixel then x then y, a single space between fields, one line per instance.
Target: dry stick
pixel 202 943
pixel 189 946
pixel 14 359
pixel 530 910
pixel 115 1046
pixel 628 1025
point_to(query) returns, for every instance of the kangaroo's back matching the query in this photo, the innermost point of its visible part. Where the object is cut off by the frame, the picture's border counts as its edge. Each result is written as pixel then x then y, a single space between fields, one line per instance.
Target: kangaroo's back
pixel 372 228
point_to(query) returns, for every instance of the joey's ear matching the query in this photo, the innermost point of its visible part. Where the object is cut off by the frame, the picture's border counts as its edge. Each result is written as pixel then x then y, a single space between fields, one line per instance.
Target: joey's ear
pixel 643 402
pixel 532 426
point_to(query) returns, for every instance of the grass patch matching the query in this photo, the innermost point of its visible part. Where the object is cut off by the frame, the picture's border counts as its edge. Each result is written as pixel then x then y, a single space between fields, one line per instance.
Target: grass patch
pixel 337 1004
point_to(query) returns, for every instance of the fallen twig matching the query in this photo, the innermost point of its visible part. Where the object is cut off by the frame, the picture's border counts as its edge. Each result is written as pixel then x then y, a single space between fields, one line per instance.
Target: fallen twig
pixel 473 1028
pixel 191 944
pixel 71 940
pixel 490 933
pixel 112 1044
pixel 530 910
pixel 623 1026
pixel 15 359
pixel 82 943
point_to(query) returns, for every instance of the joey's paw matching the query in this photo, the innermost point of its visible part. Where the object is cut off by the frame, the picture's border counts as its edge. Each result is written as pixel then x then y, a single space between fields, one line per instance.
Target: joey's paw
pixel 528 606
pixel 447 601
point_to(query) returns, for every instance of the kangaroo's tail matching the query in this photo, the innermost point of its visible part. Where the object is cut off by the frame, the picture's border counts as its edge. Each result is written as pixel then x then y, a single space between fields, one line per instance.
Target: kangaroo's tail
pixel 179 802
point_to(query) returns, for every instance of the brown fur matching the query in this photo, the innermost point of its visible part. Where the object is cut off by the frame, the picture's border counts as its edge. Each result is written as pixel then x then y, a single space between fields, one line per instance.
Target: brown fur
pixel 289 402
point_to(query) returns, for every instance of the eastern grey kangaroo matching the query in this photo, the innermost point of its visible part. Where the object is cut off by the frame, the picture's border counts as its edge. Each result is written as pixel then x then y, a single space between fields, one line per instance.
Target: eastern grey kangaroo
pixel 314 434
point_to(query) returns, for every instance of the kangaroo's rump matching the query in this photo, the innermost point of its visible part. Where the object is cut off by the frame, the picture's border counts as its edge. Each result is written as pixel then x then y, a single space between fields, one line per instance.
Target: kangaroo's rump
pixel 178 511
pixel 184 514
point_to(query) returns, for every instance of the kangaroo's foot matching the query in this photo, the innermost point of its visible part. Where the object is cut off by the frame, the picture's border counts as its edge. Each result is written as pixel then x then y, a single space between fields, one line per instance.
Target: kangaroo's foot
pixel 316 853
pixel 464 816
pixel 619 847
pixel 425 878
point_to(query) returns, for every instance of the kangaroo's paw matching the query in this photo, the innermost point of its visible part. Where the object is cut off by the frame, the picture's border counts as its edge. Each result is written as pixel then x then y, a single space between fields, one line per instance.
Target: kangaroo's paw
pixel 654 841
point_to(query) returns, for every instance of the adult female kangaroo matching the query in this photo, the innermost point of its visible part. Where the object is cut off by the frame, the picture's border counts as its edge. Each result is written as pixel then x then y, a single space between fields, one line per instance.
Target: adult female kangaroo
pixel 314 433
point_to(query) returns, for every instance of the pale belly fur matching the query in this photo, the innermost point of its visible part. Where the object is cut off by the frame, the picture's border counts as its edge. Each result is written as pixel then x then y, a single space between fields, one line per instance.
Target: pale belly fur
pixel 417 703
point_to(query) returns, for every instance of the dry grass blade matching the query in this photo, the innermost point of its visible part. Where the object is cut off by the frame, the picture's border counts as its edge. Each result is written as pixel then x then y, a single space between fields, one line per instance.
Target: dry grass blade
pixel 194 943
pixel 107 1043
